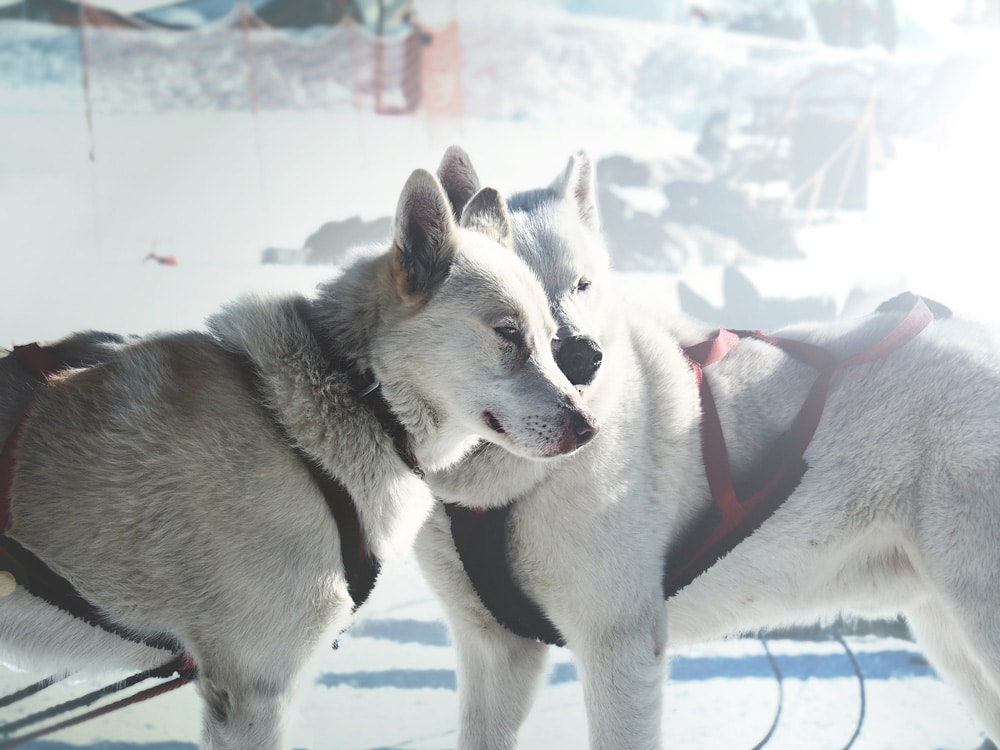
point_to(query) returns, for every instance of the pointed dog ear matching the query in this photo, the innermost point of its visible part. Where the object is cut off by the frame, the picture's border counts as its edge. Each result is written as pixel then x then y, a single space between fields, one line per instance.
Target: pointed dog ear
pixel 423 237
pixel 487 214
pixel 576 182
pixel 458 178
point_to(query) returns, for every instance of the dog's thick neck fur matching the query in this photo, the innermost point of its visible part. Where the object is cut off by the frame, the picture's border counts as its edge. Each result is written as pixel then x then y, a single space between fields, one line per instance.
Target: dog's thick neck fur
pixel 296 378
pixel 289 341
pixel 303 349
pixel 348 315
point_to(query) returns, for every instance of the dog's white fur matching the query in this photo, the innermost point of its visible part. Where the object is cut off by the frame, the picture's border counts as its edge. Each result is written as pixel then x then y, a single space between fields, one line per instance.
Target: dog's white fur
pixel 167 493
pixel 899 511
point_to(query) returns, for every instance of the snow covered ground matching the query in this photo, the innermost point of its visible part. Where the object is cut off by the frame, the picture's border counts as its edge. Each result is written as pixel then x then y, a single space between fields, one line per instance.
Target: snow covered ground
pixel 391 684
pixel 214 188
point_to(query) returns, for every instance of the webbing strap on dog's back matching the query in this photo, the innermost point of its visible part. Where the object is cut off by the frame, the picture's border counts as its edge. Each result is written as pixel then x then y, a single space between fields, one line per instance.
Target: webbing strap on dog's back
pixel 737 511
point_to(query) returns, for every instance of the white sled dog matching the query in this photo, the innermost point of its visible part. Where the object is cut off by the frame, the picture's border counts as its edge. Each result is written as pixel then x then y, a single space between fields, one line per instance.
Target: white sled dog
pixel 893 508
pixel 228 495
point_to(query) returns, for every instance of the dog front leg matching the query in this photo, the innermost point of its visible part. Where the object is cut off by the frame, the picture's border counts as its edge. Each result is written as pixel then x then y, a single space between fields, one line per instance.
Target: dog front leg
pixel 498 676
pixel 622 667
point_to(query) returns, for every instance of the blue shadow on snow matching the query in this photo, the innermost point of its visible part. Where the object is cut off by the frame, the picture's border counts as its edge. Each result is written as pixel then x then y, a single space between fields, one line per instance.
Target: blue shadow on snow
pixel 878 665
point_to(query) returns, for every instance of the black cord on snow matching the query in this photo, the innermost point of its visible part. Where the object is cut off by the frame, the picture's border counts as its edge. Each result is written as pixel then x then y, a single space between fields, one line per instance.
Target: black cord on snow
pixel 86 700
pixel 781 694
pixel 9 700
pixel 835 634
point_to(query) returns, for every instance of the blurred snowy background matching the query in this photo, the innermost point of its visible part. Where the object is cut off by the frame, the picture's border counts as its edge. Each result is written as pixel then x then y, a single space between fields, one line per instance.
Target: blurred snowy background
pixel 759 162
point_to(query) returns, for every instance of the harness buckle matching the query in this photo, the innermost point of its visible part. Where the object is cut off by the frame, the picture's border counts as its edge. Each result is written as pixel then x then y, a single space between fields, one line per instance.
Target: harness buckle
pixel 369 389
pixel 8 583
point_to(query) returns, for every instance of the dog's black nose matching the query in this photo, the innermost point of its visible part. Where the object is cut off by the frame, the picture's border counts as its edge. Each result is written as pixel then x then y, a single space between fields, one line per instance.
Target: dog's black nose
pixel 579 358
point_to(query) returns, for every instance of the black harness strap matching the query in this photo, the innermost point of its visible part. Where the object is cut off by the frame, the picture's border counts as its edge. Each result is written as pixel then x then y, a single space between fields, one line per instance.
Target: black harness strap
pixel 369 393
pixel 39 580
pixel 480 537
pixel 360 566
pixel 367 390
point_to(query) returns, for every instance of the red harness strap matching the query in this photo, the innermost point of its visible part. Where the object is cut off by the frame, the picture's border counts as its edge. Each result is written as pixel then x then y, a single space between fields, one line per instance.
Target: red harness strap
pixel 735 515
pixel 38 359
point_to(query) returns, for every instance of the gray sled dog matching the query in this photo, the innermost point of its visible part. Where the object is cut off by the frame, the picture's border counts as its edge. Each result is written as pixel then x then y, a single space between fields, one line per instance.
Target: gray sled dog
pixel 895 507
pixel 183 485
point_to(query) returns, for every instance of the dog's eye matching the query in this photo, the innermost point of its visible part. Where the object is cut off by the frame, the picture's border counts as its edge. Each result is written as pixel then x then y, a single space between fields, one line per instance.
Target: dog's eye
pixel 510 334
pixel 583 285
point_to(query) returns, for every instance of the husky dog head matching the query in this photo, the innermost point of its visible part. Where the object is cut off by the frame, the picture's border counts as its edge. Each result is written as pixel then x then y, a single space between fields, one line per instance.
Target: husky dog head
pixel 465 338
pixel 557 232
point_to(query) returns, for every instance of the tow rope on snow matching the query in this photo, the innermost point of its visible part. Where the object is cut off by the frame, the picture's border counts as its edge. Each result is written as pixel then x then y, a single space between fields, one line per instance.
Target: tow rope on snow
pixel 779 678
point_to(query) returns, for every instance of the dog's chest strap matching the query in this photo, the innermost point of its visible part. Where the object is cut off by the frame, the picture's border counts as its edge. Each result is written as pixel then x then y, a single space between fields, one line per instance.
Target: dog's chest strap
pixel 368 391
pixel 480 537
pixel 360 567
